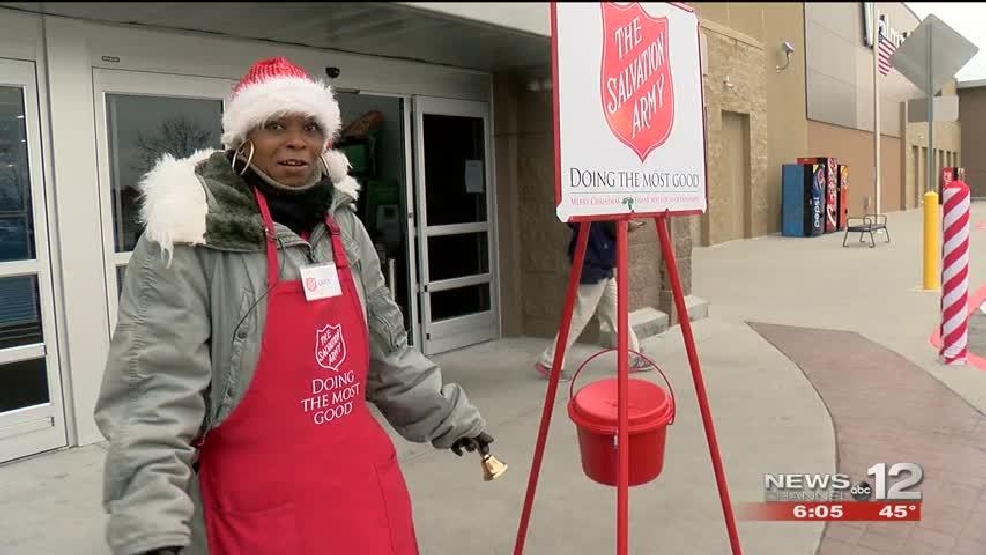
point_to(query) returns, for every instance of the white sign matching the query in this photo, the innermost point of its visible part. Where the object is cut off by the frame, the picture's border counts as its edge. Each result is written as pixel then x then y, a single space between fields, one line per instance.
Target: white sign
pixel 474 176
pixel 949 52
pixel 629 134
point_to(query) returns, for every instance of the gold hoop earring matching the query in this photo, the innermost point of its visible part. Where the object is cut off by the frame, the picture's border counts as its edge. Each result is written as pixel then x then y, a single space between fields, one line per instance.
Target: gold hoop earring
pixel 249 158
pixel 325 165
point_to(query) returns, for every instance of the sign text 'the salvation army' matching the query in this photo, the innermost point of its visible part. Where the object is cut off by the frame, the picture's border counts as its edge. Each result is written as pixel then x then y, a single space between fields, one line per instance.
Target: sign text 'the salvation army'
pixel 625 86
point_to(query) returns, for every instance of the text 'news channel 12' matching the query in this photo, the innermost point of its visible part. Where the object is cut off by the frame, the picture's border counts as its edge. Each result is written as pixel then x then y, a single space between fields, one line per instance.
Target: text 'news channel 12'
pixel 888 492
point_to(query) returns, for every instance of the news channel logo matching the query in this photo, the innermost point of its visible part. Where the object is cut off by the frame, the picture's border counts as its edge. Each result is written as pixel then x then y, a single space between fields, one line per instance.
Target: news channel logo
pixel 883 482
pixel 861 491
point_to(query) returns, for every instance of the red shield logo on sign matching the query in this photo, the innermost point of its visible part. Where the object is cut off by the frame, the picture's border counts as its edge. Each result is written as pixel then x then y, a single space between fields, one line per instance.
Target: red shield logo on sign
pixel 635 77
pixel 330 347
pixel 311 284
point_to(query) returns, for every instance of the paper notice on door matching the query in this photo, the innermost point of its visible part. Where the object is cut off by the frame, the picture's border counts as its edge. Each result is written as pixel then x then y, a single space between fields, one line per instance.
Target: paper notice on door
pixel 474 176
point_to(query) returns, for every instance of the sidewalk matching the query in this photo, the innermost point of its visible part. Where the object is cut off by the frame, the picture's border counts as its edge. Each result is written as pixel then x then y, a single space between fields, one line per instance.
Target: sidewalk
pixel 864 343
pixel 817 283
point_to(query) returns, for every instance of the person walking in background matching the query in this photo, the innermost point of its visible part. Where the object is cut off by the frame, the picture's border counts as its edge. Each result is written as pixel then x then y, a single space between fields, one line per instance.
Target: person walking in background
pixel 596 294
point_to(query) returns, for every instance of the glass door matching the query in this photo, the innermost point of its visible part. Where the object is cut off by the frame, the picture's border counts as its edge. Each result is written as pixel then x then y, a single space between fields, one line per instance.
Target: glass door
pixel 32 418
pixel 455 240
pixel 141 116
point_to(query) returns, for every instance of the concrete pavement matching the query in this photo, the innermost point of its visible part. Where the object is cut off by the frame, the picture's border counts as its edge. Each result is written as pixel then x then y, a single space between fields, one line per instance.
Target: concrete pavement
pixel 863 342
pixel 819 284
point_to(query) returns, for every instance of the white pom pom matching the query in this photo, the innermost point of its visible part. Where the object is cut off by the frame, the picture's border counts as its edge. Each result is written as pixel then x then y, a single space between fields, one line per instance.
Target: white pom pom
pixel 337 165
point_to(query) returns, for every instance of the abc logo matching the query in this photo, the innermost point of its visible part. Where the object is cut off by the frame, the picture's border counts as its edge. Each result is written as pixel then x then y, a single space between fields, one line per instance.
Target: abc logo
pixel 861 491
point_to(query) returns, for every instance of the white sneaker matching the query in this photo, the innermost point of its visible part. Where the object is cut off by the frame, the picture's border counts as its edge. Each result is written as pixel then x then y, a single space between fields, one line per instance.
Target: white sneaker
pixel 545 372
pixel 640 364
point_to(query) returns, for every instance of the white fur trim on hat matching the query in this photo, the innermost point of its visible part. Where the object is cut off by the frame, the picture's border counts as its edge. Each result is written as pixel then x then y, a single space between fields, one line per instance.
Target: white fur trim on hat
pixel 254 104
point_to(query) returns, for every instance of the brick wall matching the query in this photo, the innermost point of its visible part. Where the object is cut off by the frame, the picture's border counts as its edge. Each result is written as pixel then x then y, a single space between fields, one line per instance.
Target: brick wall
pixel 972 114
pixel 736 82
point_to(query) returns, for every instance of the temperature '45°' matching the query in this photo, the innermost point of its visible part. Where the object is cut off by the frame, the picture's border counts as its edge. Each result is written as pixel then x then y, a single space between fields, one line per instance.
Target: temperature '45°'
pixel 897 511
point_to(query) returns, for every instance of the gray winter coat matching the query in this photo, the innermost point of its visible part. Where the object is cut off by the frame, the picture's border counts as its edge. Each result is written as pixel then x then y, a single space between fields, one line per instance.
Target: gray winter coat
pixel 187 336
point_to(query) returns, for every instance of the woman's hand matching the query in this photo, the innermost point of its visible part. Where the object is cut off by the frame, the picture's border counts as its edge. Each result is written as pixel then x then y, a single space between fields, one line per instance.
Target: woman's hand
pixel 480 442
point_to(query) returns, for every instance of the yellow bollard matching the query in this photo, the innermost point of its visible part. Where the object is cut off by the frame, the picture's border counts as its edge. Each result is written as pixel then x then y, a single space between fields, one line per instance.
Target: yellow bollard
pixel 932 250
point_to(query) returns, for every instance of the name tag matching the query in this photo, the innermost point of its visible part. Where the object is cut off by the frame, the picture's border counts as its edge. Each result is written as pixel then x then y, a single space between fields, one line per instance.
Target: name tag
pixel 320 282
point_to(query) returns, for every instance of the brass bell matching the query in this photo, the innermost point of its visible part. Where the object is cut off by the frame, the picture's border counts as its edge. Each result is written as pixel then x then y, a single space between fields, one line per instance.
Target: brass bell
pixel 492 468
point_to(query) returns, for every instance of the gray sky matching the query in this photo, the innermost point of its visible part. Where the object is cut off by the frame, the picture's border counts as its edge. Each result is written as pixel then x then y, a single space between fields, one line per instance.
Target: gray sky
pixel 968 20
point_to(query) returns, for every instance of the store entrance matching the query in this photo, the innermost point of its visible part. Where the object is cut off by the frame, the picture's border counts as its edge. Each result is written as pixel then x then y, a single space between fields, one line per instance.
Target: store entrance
pixel 432 225
pixel 456 269
pixel 32 418
pixel 373 138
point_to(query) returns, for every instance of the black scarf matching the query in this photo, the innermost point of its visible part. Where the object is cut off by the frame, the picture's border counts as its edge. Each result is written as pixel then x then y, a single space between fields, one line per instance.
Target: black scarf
pixel 299 209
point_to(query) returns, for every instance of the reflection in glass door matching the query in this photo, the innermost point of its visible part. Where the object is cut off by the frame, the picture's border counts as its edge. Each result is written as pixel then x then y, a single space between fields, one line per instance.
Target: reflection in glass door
pixel 455 237
pixel 32 418
pixel 142 116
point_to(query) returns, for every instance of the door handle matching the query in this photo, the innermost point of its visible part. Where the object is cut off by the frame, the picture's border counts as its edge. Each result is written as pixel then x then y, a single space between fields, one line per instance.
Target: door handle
pixel 390 279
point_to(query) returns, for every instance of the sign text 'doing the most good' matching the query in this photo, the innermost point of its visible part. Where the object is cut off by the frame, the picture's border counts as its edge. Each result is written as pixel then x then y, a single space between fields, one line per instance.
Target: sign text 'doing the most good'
pixel 629 117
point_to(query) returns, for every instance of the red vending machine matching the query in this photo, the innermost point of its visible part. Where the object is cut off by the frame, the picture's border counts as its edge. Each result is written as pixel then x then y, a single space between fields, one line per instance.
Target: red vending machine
pixel 842 199
pixel 829 195
pixel 949 174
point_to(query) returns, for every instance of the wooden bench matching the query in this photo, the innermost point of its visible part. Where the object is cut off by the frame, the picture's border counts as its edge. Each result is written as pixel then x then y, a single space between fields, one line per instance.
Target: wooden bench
pixel 869 223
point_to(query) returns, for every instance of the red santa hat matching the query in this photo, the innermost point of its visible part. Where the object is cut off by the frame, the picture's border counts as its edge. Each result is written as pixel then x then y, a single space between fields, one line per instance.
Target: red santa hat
pixel 275 87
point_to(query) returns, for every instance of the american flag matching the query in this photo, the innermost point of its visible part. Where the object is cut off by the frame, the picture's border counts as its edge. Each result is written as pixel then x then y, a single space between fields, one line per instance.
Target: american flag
pixel 885 49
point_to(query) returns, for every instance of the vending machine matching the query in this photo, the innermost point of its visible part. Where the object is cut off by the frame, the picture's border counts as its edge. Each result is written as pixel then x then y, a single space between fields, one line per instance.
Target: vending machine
pixel 842 200
pixel 801 199
pixel 949 174
pixel 819 185
pixel 829 194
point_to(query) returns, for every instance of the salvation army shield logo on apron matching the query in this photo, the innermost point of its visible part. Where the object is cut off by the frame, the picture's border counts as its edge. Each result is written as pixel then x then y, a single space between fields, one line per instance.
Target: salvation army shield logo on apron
pixel 330 347
pixel 635 84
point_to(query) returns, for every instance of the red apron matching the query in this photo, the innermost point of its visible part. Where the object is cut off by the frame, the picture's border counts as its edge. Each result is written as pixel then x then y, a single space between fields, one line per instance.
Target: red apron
pixel 301 465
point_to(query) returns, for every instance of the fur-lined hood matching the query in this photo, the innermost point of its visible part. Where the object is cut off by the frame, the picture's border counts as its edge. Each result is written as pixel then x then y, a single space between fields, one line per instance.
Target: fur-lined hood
pixel 200 200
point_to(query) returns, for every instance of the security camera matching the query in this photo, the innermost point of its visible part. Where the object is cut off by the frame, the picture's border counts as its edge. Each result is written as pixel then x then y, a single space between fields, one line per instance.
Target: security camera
pixel 788 49
pixel 332 72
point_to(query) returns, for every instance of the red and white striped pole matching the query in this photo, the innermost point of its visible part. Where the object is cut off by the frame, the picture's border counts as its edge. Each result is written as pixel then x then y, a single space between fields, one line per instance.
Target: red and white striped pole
pixel 955 273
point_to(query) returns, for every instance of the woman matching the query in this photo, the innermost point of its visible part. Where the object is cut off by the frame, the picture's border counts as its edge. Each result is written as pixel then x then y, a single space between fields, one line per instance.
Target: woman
pixel 254 326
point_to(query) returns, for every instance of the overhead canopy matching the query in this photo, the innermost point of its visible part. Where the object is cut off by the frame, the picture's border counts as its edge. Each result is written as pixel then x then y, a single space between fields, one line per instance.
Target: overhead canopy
pixel 529 17
pixel 395 30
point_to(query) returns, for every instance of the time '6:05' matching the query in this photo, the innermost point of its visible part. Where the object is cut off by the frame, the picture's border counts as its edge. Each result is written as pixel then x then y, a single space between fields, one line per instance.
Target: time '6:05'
pixel 818 511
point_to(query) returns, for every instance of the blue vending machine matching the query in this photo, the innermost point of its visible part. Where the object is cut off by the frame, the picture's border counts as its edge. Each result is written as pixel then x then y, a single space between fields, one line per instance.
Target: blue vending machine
pixel 801 199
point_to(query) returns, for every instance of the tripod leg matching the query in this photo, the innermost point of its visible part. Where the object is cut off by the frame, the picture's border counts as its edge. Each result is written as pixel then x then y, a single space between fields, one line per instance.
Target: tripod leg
pixel 549 396
pixel 667 249
pixel 623 339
